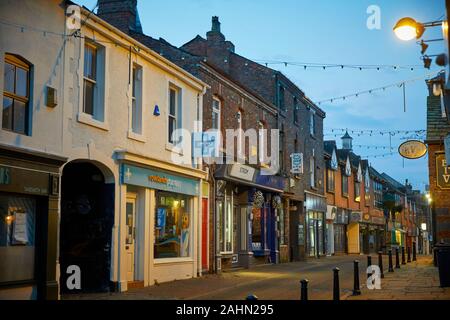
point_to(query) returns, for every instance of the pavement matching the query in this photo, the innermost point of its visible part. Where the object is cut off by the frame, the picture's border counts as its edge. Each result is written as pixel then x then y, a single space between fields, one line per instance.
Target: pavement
pixel 416 280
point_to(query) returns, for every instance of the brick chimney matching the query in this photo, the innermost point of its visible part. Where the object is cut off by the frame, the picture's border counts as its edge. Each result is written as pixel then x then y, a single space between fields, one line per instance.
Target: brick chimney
pixel 218 49
pixel 122 14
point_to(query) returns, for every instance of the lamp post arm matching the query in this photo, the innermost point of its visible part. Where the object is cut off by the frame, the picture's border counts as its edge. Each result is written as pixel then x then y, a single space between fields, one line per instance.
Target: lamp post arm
pixel 433 23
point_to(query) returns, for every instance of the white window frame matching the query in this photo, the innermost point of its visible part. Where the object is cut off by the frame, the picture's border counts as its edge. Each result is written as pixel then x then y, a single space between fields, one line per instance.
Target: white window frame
pixel 312 122
pixel 217 111
pixel 177 115
pixel 240 148
pixel 136 130
pixel 99 119
pixel 312 171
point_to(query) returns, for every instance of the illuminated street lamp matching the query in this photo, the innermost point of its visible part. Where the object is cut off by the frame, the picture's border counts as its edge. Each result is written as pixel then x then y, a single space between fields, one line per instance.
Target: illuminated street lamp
pixel 407 28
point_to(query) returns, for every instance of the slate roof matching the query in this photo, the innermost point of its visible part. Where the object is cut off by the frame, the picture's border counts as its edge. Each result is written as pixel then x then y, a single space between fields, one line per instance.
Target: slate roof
pixel 328 147
pixel 437 125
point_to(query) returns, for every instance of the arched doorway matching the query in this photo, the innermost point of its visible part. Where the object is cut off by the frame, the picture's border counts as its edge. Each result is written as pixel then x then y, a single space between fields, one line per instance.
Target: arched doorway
pixel 87 215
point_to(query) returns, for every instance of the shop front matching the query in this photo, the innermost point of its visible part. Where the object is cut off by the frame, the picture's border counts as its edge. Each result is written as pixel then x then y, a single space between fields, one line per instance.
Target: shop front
pixel 353 232
pixel 29 210
pixel 340 231
pixel 378 225
pixel 316 209
pixel 161 219
pixel 248 213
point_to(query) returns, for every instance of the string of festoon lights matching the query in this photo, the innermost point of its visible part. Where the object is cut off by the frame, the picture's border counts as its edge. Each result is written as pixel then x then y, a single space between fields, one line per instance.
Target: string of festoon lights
pixel 372 132
pixel 327 66
pixel 400 84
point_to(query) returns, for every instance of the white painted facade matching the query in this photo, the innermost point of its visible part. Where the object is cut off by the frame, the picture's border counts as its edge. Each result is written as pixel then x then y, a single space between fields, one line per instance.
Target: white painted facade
pixel 108 141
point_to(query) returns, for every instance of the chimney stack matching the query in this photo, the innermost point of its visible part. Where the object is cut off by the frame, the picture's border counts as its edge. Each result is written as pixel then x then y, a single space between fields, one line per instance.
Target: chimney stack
pixel 122 14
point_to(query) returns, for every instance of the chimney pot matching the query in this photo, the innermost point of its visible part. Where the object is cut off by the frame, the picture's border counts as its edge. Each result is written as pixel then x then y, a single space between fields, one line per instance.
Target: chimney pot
pixel 215 24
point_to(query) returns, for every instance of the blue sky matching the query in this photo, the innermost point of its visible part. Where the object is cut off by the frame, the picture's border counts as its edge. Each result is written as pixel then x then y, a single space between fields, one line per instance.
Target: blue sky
pixel 323 31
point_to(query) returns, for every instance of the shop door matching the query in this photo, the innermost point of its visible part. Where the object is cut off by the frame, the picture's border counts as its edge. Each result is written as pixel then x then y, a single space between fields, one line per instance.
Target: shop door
pixel 130 236
pixel 205 234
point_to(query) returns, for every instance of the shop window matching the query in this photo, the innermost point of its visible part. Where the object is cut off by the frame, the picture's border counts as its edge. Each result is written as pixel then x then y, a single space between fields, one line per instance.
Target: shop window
pixel 256 229
pixel 228 226
pixel 16 95
pixel 172 225
pixel 330 180
pixel 17 238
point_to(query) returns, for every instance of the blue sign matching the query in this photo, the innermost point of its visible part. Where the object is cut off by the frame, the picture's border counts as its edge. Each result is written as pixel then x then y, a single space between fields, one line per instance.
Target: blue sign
pixel 161 219
pixel 205 144
pixel 156 111
pixel 154 179
pixel 270 181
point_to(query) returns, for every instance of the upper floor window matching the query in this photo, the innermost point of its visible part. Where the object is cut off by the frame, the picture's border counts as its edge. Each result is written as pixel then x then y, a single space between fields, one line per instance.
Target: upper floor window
pixel 281 103
pixel 240 142
pixel 136 100
pixel 312 123
pixel 345 178
pixel 330 180
pixel 281 148
pixel 312 171
pixel 357 191
pixel 93 80
pixel 296 110
pixel 174 113
pixel 216 106
pixel 16 95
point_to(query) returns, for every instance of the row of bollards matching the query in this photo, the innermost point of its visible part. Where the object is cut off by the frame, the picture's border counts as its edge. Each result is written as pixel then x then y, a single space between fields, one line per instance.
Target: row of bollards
pixel 356 284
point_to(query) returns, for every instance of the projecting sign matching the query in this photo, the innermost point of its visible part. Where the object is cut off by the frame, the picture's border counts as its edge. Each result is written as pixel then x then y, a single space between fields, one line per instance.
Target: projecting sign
pixel 412 149
pixel 297 162
pixel 442 172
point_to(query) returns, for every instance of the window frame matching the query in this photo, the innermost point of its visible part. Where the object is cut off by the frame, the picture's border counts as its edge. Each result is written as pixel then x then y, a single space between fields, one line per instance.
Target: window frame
pixel 90 80
pixel 331 173
pixel 21 63
pixel 312 171
pixel 346 179
pixel 217 111
pixel 175 117
pixel 312 122
pixel 137 100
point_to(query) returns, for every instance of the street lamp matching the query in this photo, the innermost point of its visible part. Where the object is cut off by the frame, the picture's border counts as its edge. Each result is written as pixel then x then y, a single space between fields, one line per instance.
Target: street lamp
pixel 407 28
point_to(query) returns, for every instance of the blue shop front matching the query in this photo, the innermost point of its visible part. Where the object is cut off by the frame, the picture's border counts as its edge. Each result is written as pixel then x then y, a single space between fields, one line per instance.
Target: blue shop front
pixel 159 224
pixel 248 209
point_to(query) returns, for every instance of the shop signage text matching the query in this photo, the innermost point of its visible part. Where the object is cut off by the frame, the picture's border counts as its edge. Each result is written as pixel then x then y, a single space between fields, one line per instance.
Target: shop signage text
pixel 297 163
pixel 442 172
pixel 149 178
pixel 412 149
pixel 242 172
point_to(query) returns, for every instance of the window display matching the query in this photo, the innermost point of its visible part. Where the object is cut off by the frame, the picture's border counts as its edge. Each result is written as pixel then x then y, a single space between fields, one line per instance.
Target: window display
pixel 17 238
pixel 172 225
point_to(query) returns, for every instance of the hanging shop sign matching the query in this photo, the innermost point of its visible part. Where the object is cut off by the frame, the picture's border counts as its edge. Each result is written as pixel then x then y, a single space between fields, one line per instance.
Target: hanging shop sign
pixel 442 172
pixel 355 216
pixel 331 212
pixel 159 180
pixel 412 149
pixel 296 163
pixel 243 172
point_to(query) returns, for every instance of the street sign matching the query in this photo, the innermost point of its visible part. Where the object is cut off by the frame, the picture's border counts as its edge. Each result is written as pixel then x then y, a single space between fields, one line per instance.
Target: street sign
pixel 412 149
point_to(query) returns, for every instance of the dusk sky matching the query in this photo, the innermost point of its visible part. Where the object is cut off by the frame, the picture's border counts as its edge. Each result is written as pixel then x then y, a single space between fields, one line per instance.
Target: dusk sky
pixel 329 32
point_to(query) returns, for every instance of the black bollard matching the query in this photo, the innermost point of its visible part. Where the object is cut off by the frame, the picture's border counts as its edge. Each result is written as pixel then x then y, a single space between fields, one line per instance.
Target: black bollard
pixel 403 256
pixel 304 290
pixel 397 259
pixel 356 287
pixel 409 254
pixel 391 268
pixel 336 291
pixel 414 252
pixel 251 297
pixel 380 263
